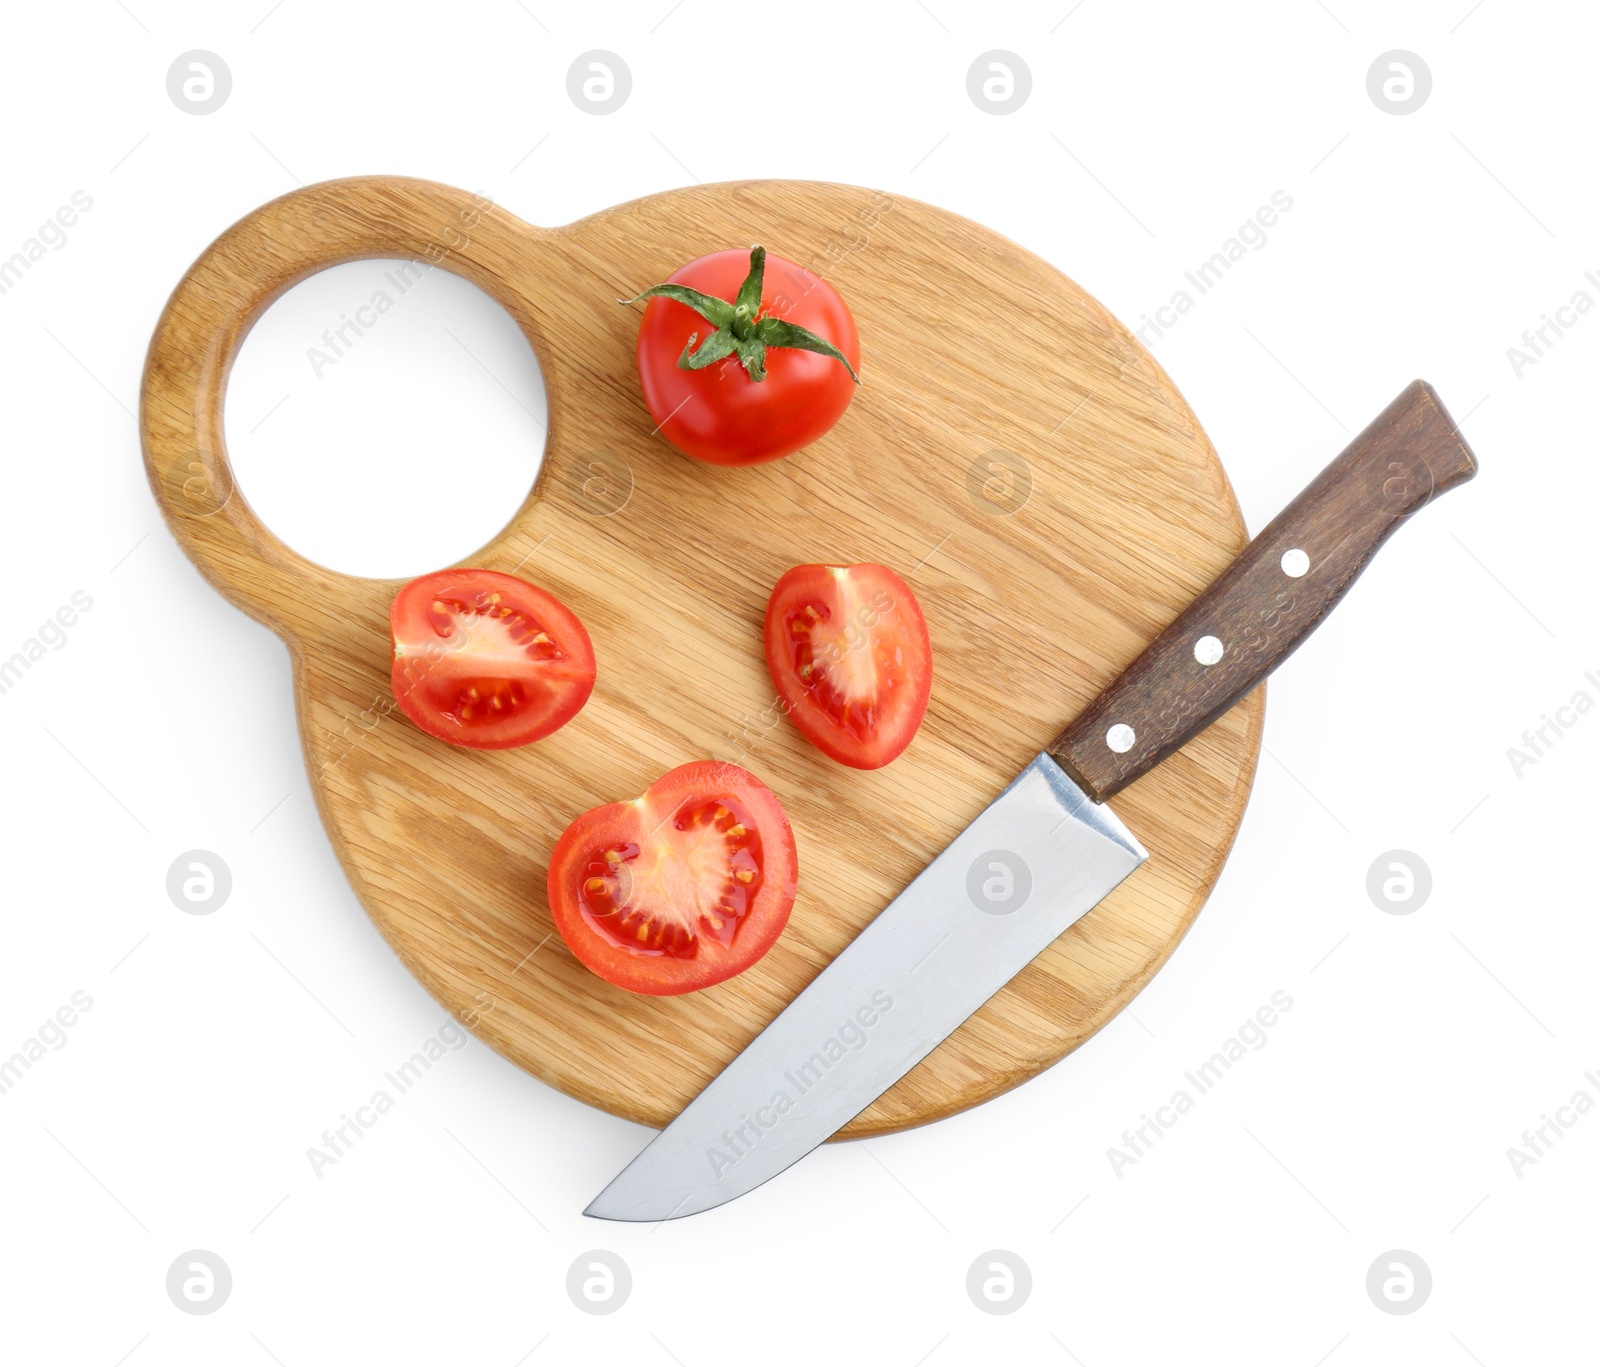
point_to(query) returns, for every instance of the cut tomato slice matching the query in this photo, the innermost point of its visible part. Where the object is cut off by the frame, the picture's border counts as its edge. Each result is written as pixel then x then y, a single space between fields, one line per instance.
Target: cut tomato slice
pixel 487 660
pixel 681 888
pixel 849 653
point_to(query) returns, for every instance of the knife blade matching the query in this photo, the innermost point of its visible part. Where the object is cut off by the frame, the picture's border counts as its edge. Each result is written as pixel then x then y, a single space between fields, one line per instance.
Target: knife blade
pixel 1046 851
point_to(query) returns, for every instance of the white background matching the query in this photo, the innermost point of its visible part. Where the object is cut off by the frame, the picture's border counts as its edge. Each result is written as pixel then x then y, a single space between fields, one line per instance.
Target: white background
pixel 1419 1048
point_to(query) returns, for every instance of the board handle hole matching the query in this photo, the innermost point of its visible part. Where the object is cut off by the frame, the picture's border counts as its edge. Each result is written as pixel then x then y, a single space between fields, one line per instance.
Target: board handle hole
pixel 385 418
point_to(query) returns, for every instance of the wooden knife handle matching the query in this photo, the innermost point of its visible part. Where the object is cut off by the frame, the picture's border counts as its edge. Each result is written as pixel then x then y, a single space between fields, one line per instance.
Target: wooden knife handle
pixel 1285 582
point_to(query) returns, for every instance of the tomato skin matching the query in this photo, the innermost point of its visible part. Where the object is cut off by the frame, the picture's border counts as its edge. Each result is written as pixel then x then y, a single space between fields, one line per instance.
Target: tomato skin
pixel 862 632
pixel 473 674
pixel 642 825
pixel 719 414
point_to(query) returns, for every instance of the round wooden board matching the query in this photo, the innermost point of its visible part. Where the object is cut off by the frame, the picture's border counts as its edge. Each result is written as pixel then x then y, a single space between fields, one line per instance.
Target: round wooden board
pixel 970 346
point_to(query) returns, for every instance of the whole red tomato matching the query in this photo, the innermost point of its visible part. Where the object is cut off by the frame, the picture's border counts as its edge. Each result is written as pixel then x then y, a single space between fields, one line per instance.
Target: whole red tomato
pixel 744 360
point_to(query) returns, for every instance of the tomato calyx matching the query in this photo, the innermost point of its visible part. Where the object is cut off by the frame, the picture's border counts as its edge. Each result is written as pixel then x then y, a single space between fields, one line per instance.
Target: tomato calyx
pixel 741 329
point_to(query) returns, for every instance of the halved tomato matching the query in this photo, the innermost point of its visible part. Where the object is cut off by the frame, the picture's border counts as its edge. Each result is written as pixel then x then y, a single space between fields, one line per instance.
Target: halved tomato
pixel 849 653
pixel 680 888
pixel 487 660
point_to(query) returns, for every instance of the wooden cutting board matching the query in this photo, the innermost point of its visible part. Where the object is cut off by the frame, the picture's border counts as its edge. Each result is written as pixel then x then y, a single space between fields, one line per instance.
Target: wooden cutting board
pixel 1012 452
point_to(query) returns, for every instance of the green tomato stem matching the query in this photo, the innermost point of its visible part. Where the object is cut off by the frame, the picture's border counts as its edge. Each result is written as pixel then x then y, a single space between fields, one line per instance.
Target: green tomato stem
pixel 739 328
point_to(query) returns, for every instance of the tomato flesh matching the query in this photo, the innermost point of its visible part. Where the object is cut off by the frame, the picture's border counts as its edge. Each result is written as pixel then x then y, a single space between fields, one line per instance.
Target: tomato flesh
pixel 848 650
pixel 680 888
pixel 719 414
pixel 486 660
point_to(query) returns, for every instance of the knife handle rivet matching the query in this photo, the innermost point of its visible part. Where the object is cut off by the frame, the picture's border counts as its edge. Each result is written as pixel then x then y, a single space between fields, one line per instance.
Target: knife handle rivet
pixel 1208 650
pixel 1121 738
pixel 1295 563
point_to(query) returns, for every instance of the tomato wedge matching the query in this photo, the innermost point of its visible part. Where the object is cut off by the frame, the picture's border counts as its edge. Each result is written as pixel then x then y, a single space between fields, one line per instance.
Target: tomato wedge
pixel 487 660
pixel 680 888
pixel 849 653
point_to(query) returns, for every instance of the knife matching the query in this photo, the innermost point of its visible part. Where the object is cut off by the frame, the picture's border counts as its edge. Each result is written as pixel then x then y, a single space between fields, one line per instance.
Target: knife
pixel 1045 851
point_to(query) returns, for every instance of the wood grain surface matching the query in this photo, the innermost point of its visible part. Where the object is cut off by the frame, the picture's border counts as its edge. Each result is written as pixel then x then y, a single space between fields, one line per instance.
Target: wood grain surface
pixel 1054 509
